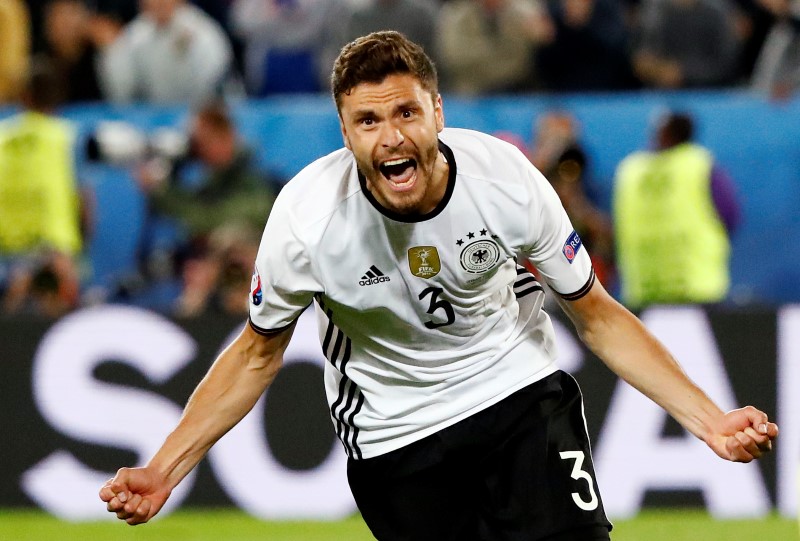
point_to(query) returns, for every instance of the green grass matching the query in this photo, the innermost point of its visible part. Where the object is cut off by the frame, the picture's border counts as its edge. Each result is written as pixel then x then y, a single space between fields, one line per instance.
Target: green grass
pixel 690 525
pixel 227 525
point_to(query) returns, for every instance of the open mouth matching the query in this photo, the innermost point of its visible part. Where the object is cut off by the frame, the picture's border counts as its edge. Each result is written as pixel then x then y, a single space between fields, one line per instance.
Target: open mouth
pixel 399 172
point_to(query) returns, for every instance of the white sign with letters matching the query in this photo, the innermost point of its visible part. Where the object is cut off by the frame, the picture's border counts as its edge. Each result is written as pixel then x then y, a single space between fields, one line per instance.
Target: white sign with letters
pixel 631 454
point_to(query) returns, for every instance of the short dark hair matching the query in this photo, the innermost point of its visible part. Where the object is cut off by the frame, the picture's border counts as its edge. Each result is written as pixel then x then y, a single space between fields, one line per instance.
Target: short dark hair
pixel 44 89
pixel 675 128
pixel 372 58
pixel 216 115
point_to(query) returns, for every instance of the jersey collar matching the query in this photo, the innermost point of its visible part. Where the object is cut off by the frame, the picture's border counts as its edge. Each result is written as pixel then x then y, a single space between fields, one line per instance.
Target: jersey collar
pixel 413 218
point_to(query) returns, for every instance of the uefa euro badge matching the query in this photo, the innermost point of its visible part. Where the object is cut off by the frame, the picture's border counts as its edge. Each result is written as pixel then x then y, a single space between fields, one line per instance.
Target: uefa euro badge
pixel 423 261
pixel 571 247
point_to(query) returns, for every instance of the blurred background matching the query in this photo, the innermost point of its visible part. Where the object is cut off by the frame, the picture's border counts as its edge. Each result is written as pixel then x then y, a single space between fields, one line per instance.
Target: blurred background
pixel 143 142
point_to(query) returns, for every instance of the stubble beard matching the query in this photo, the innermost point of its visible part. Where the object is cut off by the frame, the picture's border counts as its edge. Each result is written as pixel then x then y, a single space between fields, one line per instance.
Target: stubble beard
pixel 402 202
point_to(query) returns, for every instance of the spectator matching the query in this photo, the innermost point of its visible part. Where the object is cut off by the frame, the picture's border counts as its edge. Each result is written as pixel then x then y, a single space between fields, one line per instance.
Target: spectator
pixel 41 233
pixel 219 10
pixel 172 52
pixel 777 70
pixel 416 19
pixel 287 43
pixel 753 22
pixel 674 209
pixel 15 35
pixel 123 11
pixel 591 47
pixel 487 45
pixel 557 153
pixel 68 45
pixel 686 44
pixel 222 214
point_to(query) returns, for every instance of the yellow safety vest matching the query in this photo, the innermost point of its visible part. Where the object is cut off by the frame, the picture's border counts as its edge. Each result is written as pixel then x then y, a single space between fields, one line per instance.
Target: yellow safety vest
pixel 39 203
pixel 672 247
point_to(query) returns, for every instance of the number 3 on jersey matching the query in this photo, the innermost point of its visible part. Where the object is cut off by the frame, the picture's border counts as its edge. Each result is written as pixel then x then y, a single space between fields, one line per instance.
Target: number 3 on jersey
pixel 578 473
pixel 438 304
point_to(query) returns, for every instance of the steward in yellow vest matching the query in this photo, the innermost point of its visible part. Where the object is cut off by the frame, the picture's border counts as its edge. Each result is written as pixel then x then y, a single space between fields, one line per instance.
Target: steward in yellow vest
pixel 672 245
pixel 40 205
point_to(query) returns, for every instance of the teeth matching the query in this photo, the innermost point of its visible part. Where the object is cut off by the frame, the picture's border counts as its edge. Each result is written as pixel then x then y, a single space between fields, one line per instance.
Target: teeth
pixel 396 162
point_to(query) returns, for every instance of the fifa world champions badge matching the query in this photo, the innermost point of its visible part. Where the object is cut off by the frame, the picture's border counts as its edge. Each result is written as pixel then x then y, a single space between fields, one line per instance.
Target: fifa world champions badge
pixel 423 261
pixel 256 295
pixel 572 246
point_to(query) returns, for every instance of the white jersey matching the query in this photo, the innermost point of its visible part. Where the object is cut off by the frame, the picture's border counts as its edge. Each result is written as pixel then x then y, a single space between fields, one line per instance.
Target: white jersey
pixel 424 320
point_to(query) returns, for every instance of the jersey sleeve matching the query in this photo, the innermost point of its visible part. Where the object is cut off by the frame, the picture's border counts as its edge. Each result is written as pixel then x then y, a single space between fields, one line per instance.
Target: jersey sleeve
pixel 283 284
pixel 555 248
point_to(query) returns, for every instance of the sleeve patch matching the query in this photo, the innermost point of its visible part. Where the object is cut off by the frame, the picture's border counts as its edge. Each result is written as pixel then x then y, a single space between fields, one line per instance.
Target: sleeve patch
pixel 256 295
pixel 571 247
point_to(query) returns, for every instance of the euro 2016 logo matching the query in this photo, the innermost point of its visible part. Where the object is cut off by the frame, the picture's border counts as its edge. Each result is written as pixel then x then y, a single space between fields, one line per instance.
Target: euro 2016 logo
pixel 256 295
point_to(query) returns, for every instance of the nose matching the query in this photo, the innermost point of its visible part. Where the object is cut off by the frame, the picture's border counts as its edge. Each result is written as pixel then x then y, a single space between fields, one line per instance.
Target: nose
pixel 391 136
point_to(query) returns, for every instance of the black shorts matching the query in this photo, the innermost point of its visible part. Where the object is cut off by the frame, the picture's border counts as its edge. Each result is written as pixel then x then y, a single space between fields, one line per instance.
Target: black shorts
pixel 520 470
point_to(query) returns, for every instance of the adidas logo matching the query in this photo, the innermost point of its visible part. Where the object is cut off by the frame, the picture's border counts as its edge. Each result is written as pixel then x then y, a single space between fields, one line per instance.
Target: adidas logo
pixel 373 276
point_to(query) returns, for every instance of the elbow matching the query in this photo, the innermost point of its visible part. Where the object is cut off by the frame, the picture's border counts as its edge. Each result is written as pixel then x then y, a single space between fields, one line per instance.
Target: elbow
pixel 590 338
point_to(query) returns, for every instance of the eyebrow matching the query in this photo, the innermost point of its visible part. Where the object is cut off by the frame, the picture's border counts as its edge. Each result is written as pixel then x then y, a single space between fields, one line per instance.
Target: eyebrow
pixel 363 114
pixel 410 104
pixel 366 113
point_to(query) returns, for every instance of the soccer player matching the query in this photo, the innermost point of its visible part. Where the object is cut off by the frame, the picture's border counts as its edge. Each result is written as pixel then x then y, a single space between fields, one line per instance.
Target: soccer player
pixel 441 377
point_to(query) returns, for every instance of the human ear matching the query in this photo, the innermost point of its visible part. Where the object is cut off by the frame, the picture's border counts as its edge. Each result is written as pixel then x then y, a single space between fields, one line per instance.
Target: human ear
pixel 438 111
pixel 344 134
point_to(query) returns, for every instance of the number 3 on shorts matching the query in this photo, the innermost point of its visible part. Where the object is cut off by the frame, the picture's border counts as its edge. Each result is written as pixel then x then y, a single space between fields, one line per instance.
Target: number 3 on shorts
pixel 578 473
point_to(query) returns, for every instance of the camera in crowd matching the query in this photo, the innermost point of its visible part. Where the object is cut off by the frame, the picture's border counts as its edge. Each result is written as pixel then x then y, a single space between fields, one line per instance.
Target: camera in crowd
pixel 121 143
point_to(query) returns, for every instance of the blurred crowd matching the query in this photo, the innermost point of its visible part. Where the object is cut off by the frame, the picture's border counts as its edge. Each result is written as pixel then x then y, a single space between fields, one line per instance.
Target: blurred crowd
pixel 174 51
pixel 205 53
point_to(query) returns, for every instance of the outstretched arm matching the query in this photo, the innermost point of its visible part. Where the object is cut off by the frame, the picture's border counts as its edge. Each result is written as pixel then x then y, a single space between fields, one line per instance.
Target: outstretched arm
pixel 226 394
pixel 629 350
